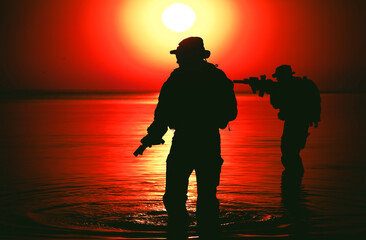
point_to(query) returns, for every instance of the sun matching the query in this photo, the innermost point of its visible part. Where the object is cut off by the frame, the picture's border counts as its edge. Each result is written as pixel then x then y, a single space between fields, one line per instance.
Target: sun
pixel 178 17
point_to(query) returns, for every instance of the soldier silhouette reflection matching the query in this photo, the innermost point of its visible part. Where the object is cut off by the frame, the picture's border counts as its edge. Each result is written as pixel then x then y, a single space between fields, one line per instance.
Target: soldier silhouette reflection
pixel 196 101
pixel 296 214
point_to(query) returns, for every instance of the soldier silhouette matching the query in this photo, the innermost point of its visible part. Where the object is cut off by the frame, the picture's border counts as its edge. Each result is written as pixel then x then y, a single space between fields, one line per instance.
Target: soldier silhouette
pixel 298 101
pixel 196 101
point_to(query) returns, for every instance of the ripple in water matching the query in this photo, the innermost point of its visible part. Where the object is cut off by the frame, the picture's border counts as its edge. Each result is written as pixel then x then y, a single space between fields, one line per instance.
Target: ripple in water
pixel 109 218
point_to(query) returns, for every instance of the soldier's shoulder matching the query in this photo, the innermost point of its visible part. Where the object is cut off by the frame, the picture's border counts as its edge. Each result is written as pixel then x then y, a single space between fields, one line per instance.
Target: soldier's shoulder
pixel 174 79
pixel 219 77
pixel 304 81
pixel 175 74
pixel 215 69
pixel 309 82
pixel 308 86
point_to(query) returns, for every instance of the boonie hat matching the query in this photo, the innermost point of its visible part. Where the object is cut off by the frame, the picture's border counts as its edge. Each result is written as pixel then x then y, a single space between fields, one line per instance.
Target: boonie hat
pixel 283 70
pixel 191 45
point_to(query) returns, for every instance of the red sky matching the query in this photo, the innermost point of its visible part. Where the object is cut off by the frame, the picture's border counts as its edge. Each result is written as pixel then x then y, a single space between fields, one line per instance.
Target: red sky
pixel 117 45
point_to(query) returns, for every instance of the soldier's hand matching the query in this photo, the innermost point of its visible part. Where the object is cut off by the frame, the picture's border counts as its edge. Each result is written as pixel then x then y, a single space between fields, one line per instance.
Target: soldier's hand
pixel 148 140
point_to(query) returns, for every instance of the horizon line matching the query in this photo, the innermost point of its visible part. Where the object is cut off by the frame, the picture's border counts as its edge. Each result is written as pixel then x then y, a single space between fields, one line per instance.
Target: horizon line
pixel 44 94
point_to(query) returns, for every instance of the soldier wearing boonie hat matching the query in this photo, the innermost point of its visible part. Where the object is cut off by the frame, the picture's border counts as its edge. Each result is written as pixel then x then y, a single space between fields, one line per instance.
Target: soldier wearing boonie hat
pixel 298 100
pixel 196 101
pixel 192 45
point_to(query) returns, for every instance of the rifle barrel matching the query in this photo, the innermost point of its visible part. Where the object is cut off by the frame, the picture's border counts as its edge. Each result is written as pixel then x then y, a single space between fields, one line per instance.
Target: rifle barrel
pixel 140 150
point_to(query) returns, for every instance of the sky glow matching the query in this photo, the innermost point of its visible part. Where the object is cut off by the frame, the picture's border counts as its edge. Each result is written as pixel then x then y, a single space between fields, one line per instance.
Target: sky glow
pixel 124 45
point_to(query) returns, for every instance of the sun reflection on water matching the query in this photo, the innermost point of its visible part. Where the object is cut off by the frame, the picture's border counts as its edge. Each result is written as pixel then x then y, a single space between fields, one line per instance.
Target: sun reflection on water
pixel 69 169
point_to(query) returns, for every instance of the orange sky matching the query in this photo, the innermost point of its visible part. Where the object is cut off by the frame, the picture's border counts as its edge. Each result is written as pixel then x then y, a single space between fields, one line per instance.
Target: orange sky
pixel 122 45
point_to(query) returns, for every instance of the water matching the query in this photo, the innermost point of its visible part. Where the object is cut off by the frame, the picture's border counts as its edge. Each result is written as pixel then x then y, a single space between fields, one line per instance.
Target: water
pixel 67 171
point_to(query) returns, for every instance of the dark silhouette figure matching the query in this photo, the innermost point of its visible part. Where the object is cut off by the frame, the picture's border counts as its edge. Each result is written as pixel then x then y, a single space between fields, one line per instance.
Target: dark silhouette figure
pixel 298 100
pixel 196 100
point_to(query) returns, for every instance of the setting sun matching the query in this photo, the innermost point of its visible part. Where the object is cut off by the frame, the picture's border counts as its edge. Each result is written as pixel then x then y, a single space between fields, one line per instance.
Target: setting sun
pixel 178 17
pixel 152 28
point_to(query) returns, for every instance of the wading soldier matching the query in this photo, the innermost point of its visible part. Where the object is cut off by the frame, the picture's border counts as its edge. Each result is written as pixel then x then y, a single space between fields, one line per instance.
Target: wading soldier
pixel 298 101
pixel 196 101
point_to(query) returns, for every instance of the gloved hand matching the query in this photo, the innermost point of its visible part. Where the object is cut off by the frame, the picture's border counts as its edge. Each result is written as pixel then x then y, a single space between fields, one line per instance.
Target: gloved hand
pixel 149 140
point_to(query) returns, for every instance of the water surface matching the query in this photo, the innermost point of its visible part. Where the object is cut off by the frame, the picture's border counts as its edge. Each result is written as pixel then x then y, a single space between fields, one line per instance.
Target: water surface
pixel 67 171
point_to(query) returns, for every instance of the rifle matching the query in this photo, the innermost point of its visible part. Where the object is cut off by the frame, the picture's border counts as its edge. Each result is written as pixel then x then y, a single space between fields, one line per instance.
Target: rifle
pixel 262 85
pixel 140 150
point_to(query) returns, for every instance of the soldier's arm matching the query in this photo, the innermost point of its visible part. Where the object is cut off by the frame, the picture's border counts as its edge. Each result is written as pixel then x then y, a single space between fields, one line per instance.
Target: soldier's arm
pixel 275 97
pixel 159 126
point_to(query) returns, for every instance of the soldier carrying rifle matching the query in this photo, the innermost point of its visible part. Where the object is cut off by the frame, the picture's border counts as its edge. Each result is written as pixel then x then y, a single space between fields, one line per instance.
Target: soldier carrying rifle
pixel 196 101
pixel 298 101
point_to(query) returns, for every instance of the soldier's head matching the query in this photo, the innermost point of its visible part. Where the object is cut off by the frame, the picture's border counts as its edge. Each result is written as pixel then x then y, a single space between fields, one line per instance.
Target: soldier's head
pixel 190 51
pixel 283 73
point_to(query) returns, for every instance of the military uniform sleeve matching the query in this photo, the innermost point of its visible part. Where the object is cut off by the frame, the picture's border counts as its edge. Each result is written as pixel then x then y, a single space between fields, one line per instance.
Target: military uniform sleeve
pixel 159 126
pixel 275 97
